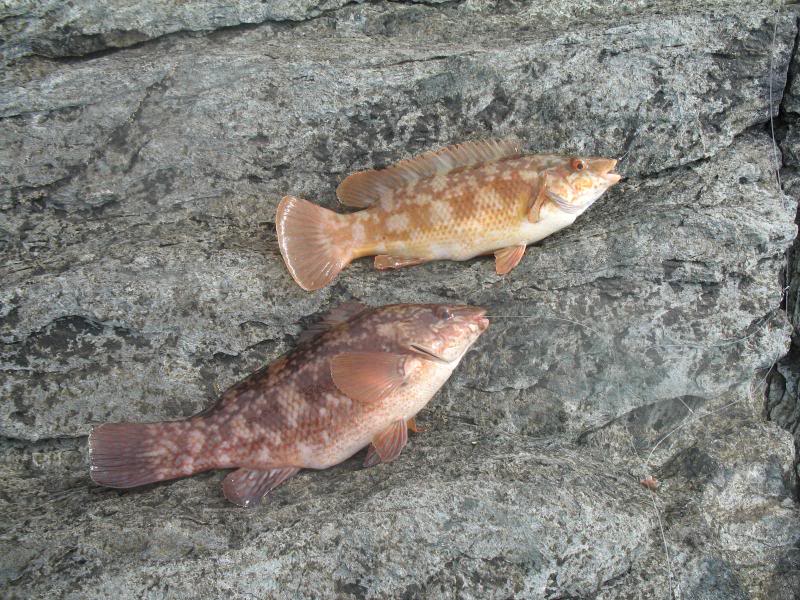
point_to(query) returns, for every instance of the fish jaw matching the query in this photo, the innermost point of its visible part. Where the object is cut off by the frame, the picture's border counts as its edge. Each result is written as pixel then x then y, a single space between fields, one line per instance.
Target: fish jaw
pixel 474 315
pixel 603 167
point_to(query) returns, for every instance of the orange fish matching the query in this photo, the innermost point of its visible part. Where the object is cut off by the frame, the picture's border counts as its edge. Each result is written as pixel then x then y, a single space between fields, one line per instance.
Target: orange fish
pixel 455 203
pixel 356 379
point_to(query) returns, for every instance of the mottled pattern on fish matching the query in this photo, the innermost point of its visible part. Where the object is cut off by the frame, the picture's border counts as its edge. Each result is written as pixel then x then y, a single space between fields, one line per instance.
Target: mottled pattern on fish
pixel 459 215
pixel 455 204
pixel 291 414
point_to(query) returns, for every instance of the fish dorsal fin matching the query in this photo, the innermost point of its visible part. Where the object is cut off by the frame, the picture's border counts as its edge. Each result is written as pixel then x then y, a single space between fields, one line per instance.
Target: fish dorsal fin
pixel 364 188
pixel 336 316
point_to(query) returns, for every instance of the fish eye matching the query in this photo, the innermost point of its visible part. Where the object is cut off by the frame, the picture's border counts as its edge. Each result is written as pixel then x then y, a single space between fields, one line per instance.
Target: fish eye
pixel 578 164
pixel 444 313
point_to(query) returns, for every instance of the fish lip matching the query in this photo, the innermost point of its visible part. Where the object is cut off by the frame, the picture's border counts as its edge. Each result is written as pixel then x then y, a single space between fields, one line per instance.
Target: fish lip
pixel 604 168
pixel 481 320
pixel 477 315
pixel 472 314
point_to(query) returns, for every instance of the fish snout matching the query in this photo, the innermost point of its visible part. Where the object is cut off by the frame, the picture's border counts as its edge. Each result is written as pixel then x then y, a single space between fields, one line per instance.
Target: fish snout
pixel 604 167
pixel 475 315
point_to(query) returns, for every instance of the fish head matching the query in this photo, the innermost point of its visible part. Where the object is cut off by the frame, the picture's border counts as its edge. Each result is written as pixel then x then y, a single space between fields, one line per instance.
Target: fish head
pixel 442 332
pixel 576 182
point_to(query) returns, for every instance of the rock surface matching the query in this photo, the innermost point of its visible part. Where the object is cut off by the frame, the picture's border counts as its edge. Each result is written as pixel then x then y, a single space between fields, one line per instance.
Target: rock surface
pixel 139 275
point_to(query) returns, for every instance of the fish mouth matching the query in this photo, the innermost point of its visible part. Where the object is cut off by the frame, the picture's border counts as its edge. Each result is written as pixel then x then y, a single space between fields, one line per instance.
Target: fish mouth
pixel 476 315
pixel 603 167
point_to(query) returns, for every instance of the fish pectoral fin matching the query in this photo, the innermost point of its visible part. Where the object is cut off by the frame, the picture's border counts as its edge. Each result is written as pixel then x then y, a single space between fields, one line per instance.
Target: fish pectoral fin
pixel 384 262
pixel 387 445
pixel 508 258
pixel 371 376
pixel 246 487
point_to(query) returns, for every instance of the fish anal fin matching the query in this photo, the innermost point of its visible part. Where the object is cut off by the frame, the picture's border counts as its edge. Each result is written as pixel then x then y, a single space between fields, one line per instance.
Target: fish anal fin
pixel 384 262
pixel 387 445
pixel 508 258
pixel 246 487
pixel 371 376
pixel 364 188
pixel 336 316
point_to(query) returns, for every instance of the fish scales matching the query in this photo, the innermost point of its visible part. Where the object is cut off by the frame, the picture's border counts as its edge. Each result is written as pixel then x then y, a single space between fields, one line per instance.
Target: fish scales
pixel 459 215
pixel 293 413
pixel 456 203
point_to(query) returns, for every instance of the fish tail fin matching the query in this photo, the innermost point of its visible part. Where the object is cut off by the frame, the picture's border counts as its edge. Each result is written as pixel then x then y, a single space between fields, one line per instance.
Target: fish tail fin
pixel 314 242
pixel 124 455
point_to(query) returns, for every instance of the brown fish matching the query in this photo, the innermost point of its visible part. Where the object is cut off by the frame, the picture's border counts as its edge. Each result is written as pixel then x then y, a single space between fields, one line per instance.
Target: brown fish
pixel 455 203
pixel 356 379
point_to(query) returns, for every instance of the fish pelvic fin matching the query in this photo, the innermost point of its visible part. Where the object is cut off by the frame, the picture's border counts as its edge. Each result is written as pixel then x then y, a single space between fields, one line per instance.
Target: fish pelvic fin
pixel 315 242
pixel 125 455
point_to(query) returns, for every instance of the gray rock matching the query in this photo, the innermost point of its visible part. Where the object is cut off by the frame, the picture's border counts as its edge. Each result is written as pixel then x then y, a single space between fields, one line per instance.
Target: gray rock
pixel 139 275
pixel 57 29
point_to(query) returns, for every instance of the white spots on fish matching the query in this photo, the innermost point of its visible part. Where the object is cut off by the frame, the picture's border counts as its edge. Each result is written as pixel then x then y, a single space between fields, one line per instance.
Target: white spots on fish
pixel 291 418
pixel 528 176
pixel 262 456
pixel 239 425
pixel 195 441
pixel 387 201
pixel 439 183
pixel 491 199
pixel 305 453
pixel 385 329
pixel 490 168
pixel 441 211
pixel 397 223
pixel 358 233
pixel 441 250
